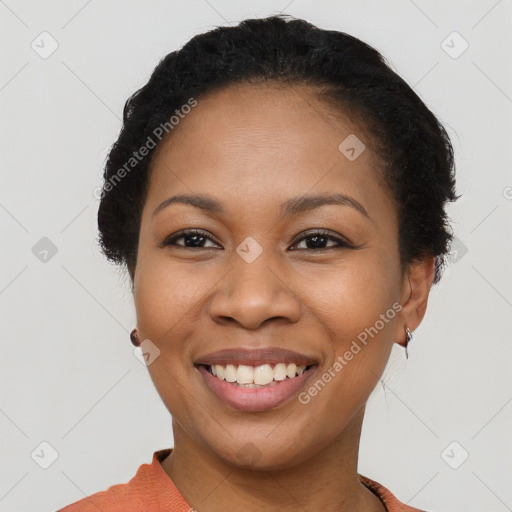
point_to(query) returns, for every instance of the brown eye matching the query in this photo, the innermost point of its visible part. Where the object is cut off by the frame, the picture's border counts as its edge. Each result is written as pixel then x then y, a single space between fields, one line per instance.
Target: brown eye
pixel 319 239
pixel 193 238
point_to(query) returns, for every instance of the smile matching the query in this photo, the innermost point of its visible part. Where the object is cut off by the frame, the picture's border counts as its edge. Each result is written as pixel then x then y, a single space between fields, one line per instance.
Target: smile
pixel 255 379
pixel 256 376
pixel 253 397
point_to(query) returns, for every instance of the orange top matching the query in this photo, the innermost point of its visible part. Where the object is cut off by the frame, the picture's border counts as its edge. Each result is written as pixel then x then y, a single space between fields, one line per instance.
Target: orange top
pixel 151 490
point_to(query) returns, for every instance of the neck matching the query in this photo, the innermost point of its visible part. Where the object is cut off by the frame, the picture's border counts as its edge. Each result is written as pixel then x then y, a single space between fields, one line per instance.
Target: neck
pixel 326 481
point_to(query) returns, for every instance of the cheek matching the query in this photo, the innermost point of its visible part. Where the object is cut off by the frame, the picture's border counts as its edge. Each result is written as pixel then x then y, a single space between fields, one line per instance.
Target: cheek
pixel 166 295
pixel 351 296
pixel 166 300
pixel 357 305
pixel 358 310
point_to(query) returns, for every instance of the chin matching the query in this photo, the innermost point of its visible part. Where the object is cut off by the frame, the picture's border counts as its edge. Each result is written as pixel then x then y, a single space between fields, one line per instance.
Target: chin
pixel 261 454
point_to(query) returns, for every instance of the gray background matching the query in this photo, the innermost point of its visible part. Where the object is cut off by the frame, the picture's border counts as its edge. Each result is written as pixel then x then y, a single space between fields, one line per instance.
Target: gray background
pixel 68 373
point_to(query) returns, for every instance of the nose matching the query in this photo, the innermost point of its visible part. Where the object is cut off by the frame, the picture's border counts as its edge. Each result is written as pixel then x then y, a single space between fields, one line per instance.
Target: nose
pixel 254 293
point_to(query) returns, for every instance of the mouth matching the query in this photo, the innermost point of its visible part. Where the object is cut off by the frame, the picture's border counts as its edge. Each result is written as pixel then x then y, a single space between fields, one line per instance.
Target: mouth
pixel 251 377
pixel 255 380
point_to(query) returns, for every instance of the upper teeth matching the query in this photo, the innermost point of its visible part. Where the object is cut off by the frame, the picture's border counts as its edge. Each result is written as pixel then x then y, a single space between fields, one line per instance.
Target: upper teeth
pixel 262 374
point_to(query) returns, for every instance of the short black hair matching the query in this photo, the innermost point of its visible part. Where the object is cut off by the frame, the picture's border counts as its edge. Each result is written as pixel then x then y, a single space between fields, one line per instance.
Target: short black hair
pixel 413 146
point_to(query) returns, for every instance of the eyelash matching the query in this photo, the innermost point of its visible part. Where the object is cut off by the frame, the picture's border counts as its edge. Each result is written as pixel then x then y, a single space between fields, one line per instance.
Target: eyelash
pixel 304 236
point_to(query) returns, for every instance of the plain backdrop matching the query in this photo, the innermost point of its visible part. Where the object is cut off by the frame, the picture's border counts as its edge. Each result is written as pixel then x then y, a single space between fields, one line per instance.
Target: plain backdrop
pixel 76 399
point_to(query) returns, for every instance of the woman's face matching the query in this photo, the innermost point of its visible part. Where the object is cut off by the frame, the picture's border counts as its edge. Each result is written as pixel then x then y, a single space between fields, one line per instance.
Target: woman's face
pixel 270 268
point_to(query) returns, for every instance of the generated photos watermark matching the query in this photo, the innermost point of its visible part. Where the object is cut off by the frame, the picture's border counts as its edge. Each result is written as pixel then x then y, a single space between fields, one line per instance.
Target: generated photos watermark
pixel 137 156
pixel 342 360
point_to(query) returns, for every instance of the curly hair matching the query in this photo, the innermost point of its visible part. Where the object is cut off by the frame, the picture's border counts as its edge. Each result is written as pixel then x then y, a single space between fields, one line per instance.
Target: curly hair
pixel 412 145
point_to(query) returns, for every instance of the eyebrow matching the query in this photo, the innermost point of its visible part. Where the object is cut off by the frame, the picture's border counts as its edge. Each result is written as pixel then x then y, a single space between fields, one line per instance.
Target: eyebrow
pixel 293 206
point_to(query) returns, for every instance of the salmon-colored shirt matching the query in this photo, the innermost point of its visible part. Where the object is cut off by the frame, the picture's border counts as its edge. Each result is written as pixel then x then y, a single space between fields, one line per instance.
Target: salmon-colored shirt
pixel 151 490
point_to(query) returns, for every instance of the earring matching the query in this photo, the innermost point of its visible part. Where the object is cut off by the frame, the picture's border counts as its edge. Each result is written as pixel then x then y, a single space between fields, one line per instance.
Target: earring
pixel 408 338
pixel 134 337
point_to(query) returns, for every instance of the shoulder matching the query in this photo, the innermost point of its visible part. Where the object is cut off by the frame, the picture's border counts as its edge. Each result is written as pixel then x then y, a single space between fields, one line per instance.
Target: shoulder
pixel 126 497
pixel 392 503
pixel 146 488
pixel 114 498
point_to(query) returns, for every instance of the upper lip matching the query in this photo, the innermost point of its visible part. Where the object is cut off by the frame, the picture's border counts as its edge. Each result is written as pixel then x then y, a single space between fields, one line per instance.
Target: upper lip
pixel 254 357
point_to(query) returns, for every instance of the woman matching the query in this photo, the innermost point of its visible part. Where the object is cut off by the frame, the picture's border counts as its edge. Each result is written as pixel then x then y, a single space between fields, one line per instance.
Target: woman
pixel 277 194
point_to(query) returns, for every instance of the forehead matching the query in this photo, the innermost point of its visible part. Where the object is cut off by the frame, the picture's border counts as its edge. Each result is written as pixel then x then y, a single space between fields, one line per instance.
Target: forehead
pixel 270 142
pixel 270 114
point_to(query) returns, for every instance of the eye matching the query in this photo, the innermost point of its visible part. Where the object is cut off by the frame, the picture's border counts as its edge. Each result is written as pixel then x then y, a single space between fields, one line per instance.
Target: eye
pixel 318 240
pixel 192 238
pixel 314 239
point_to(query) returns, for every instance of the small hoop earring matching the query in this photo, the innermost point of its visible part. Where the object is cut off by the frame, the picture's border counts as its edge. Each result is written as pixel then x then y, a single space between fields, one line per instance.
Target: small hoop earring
pixel 408 338
pixel 134 337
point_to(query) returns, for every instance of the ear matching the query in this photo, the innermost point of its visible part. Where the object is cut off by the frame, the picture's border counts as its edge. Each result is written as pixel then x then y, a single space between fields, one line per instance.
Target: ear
pixel 417 281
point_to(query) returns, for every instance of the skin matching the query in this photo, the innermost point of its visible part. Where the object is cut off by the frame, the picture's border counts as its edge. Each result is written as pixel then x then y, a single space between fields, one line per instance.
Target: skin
pixel 252 148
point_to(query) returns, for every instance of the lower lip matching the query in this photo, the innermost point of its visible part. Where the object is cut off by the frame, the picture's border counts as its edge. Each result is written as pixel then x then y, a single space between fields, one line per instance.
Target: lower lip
pixel 255 399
